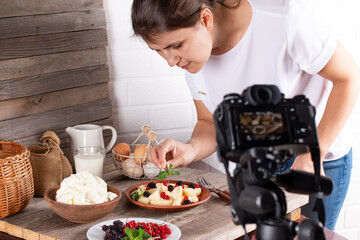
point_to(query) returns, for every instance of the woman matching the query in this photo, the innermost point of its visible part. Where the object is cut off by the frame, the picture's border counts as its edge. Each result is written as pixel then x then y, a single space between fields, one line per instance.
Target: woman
pixel 227 46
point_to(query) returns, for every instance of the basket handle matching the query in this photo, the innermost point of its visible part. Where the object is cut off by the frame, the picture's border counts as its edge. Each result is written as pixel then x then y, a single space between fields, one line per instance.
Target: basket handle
pixel 151 135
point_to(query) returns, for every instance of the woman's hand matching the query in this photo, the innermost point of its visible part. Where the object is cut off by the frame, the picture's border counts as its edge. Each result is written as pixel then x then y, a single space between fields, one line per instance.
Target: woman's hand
pixel 304 163
pixel 182 154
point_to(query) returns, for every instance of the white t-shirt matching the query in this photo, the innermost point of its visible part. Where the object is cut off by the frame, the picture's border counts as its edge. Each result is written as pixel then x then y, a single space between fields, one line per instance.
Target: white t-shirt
pixel 284 45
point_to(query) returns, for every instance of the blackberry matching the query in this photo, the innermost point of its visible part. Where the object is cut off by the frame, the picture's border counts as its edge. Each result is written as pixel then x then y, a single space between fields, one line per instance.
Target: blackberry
pixel 146 194
pixel 170 188
pixel 118 224
pixel 109 236
pixel 104 228
pixel 151 185
pixel 179 183
pixel 192 185
pixel 186 202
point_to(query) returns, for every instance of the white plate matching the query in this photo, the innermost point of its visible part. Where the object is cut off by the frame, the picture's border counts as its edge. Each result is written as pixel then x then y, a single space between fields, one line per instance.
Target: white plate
pixel 96 233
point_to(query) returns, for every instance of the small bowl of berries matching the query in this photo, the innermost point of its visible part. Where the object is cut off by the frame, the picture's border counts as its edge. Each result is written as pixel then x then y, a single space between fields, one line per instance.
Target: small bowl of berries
pixel 167 195
pixel 147 228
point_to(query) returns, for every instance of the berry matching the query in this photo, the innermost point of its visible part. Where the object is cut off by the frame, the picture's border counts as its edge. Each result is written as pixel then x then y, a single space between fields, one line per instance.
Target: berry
pixel 104 228
pixel 118 224
pixel 170 188
pixel 192 185
pixel 197 186
pixel 151 185
pixel 147 188
pixel 179 183
pixel 165 184
pixel 146 194
pixel 186 202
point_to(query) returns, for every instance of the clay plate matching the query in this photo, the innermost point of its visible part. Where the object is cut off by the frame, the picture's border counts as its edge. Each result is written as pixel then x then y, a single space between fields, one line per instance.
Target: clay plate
pixel 81 213
pixel 204 196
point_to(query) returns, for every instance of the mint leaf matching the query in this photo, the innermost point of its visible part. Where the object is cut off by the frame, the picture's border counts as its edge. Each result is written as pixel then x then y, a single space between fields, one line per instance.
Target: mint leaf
pixel 146 235
pixel 125 238
pixel 141 232
pixel 162 175
pixel 135 233
pixel 129 232
pixel 135 196
pixel 170 167
pixel 175 173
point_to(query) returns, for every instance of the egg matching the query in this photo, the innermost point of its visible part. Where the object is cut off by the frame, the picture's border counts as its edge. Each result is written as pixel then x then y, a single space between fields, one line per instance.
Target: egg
pixel 139 153
pixel 122 149
pixel 151 170
pixel 131 169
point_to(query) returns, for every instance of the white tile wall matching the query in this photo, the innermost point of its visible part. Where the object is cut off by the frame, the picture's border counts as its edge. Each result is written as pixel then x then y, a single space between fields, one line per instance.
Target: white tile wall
pixel 145 90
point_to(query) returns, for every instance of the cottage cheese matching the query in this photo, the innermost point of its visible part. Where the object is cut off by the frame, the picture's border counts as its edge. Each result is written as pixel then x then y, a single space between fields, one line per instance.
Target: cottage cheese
pixel 83 189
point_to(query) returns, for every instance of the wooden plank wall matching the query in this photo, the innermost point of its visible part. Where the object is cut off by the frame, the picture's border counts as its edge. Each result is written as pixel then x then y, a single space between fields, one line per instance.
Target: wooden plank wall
pixel 53 68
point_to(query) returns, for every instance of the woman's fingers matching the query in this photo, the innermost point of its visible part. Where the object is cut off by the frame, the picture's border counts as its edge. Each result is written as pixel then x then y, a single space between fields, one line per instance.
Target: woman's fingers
pixel 158 154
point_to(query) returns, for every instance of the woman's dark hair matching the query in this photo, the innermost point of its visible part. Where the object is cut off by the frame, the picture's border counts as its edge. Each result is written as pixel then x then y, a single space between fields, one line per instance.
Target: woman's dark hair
pixel 151 17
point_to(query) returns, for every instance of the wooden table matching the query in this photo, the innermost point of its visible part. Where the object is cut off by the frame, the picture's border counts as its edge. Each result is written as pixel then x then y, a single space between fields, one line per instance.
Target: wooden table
pixel 210 220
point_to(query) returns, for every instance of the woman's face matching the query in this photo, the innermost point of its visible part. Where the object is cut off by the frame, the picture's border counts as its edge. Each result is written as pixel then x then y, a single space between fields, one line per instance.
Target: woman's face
pixel 188 48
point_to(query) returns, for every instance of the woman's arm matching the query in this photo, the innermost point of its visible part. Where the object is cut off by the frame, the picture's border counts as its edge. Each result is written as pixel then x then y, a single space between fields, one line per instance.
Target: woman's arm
pixel 344 73
pixel 201 145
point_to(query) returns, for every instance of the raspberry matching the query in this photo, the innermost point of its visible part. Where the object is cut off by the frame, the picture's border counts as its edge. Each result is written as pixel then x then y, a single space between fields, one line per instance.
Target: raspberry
pixel 166 197
pixel 165 184
pixel 162 195
pixel 197 186
pixel 147 188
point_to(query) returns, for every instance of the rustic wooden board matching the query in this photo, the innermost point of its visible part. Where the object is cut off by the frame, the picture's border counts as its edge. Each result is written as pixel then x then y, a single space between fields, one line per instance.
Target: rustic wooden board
pixel 12 8
pixel 51 23
pixel 208 221
pixel 31 125
pixel 30 66
pixel 51 43
pixel 21 107
pixel 34 85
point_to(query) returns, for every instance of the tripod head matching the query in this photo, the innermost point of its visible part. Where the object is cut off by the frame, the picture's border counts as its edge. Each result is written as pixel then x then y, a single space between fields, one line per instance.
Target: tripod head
pixel 260 130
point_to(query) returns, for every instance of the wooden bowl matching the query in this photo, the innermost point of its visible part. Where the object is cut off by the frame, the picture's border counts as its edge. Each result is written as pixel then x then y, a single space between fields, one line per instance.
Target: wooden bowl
pixel 81 213
pixel 204 196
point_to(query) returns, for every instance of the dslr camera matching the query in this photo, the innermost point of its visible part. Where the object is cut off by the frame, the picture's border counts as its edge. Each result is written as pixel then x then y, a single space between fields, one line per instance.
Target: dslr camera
pixel 260 130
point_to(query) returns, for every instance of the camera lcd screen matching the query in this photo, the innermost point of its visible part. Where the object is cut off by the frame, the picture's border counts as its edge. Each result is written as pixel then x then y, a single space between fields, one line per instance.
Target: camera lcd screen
pixel 264 126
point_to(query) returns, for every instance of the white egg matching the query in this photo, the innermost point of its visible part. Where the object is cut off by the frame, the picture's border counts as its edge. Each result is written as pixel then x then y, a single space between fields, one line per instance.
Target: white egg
pixel 151 170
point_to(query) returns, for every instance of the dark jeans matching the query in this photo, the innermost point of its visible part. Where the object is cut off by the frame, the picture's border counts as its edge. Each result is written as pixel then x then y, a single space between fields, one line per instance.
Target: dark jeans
pixel 339 171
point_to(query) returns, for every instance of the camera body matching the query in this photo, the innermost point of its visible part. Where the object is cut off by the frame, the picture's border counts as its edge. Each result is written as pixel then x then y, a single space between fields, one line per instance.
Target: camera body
pixel 260 130
pixel 262 117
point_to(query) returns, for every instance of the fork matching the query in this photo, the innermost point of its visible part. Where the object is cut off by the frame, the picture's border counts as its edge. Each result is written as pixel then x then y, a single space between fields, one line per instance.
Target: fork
pixel 224 195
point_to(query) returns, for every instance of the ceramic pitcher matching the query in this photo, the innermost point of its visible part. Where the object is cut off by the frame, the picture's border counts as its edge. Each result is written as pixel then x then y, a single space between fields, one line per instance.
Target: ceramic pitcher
pixel 89 135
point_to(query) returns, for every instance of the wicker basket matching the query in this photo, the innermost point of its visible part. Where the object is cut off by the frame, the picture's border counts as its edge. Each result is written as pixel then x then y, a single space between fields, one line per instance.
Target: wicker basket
pixel 16 179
